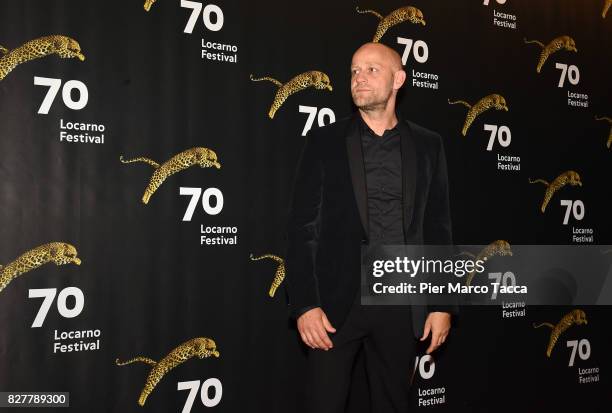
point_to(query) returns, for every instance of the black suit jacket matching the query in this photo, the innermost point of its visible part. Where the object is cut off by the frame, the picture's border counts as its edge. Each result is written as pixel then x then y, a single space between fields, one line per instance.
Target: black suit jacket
pixel 328 217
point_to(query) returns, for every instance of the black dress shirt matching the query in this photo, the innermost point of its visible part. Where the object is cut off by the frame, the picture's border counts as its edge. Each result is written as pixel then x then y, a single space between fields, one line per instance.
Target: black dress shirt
pixel 383 169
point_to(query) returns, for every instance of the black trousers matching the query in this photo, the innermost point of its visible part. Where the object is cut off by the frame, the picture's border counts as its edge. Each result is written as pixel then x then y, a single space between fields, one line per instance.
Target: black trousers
pixel 385 335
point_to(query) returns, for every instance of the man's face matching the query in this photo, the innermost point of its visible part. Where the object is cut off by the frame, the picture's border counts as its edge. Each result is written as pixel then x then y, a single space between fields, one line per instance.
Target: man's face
pixel 372 77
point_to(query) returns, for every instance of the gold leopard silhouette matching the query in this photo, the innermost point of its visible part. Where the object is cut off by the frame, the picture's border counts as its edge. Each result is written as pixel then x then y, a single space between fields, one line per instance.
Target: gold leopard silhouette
pixel 609 120
pixel 60 253
pixel 200 346
pixel 493 101
pixel 148 4
pixel 314 78
pixel 568 177
pixel 403 14
pixel 279 276
pixel 499 247
pixel 559 43
pixel 606 7
pixel 190 157
pixel 574 317
pixel 64 46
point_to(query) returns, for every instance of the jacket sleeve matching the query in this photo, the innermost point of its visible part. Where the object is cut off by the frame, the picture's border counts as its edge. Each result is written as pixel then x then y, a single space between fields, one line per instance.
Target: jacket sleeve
pixel 437 228
pixel 303 230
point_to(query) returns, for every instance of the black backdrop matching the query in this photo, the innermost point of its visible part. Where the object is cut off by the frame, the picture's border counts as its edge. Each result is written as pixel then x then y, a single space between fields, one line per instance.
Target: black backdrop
pixel 147 283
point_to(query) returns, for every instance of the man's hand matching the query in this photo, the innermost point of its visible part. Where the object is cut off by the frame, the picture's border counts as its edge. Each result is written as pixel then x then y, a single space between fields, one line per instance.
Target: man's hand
pixel 313 326
pixel 438 323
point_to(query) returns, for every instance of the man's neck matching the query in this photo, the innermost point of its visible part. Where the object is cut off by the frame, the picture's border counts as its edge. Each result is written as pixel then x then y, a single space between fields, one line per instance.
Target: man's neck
pixel 379 121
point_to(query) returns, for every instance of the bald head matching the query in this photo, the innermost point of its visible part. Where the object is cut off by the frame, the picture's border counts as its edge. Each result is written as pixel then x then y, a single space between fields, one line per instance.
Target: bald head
pixel 384 53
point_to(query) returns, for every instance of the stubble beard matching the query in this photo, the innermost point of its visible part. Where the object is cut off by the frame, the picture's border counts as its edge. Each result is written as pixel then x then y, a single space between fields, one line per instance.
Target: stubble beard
pixel 373 104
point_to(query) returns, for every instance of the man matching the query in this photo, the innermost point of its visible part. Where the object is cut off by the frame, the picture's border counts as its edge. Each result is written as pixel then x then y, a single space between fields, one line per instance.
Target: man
pixel 367 179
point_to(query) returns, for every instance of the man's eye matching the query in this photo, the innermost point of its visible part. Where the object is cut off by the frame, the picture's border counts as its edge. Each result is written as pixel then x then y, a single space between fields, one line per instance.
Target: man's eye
pixel 373 69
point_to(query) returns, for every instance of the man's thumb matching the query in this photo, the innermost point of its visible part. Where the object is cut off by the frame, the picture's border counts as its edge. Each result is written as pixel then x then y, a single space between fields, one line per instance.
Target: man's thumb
pixel 327 325
pixel 426 331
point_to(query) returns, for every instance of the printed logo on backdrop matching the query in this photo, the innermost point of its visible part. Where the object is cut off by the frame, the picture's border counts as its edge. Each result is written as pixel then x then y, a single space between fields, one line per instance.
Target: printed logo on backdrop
pixel 313 78
pixel 579 350
pixel 606 7
pixel 66 48
pixel 506 279
pixel 204 158
pixel 498 248
pixel 208 18
pixel 63 46
pixel 59 253
pixel 499 136
pixel 70 131
pixel 609 120
pixel 425 366
pixel 401 15
pixel 569 75
pixel 415 50
pixel 279 276
pixel 574 208
pixel 501 19
pixel 200 347
pixel 148 4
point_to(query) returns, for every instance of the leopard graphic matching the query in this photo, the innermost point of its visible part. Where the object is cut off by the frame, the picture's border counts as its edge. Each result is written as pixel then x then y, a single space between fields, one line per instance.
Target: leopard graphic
pixel 568 177
pixel 64 46
pixel 499 247
pixel 201 347
pixel 279 276
pixel 314 78
pixel 195 156
pixel 403 14
pixel 493 101
pixel 606 7
pixel 148 4
pixel 556 44
pixel 574 317
pixel 60 253
pixel 609 120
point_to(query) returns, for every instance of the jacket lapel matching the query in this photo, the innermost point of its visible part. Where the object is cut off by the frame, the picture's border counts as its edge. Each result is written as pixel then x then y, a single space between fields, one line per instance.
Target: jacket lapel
pixel 357 168
pixel 409 171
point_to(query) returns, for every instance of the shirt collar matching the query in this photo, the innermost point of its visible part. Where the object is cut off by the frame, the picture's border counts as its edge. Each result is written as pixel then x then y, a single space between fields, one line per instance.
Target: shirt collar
pixel 365 129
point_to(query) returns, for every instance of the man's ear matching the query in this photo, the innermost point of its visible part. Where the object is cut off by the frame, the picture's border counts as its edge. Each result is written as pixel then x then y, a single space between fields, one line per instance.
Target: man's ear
pixel 399 78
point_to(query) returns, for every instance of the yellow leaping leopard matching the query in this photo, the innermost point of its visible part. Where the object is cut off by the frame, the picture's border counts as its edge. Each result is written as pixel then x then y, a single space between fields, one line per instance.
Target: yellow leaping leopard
pixel 60 253
pixel 403 14
pixel 568 177
pixel 493 101
pixel 64 46
pixel 559 43
pixel 148 4
pixel 606 7
pixel 314 78
pixel 200 347
pixel 279 276
pixel 499 247
pixel 609 120
pixel 576 317
pixel 195 156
